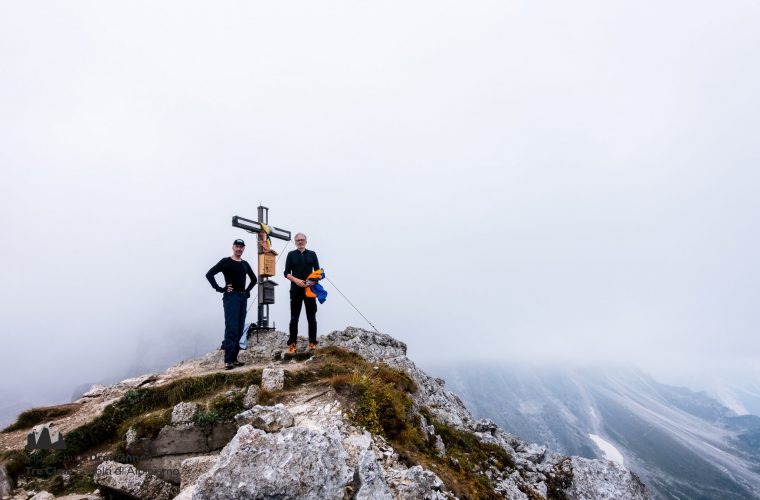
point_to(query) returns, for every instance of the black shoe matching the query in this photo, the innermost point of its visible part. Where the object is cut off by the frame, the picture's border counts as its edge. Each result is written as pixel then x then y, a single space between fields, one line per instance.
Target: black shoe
pixel 238 363
pixel 221 347
pixel 229 366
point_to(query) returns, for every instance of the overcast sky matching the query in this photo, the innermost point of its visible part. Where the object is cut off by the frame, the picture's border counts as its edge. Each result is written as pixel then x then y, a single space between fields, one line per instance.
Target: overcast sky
pixel 513 180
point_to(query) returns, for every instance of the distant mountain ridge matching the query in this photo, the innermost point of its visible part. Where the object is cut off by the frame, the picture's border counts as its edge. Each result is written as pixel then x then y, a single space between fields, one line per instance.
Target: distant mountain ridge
pixel 684 444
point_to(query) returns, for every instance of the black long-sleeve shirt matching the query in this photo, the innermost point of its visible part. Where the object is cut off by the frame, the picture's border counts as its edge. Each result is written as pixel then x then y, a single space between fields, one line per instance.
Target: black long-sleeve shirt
pixel 234 274
pixel 300 265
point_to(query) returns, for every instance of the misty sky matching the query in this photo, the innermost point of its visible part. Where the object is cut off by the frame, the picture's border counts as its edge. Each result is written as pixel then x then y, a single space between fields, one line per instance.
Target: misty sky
pixel 513 180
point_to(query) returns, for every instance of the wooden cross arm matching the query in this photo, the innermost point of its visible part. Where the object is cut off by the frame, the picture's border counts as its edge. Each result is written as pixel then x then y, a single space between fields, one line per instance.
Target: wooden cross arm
pixel 254 227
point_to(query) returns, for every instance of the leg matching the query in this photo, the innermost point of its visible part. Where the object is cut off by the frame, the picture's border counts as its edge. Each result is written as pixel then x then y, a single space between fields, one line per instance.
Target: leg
pixel 231 338
pixel 296 300
pixel 241 323
pixel 311 317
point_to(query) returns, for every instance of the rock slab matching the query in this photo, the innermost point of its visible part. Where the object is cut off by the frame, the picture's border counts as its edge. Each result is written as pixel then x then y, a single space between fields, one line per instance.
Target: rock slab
pixel 297 462
pixel 128 480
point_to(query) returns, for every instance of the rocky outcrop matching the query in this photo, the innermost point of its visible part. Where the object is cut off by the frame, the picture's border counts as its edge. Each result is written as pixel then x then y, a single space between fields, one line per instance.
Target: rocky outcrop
pixel 128 480
pixel 266 418
pixel 311 445
pixel 537 471
pixel 603 480
pixel 295 463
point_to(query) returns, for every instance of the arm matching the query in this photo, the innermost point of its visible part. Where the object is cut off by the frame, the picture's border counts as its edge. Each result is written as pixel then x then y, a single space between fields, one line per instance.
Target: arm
pixel 252 276
pixel 213 272
pixel 316 262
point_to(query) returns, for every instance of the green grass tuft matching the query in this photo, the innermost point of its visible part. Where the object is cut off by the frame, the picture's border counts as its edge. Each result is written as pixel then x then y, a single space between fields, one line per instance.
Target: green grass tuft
pixel 36 416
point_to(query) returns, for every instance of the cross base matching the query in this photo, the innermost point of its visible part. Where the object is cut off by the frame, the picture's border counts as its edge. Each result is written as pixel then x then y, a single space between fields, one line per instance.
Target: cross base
pixel 254 328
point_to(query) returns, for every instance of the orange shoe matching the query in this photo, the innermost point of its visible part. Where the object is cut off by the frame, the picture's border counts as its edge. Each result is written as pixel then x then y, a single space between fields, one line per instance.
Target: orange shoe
pixel 292 348
pixel 312 346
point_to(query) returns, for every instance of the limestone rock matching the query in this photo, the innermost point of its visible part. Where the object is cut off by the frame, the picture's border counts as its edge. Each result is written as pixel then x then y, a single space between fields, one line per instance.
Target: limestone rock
pixel 604 480
pixel 192 468
pixel 266 418
pixel 183 413
pixel 295 463
pixel 251 397
pixel 183 439
pixel 273 379
pixel 95 391
pixel 128 480
pixel 133 383
pixel 6 482
pixel 484 425
pixel 369 479
pixel 379 347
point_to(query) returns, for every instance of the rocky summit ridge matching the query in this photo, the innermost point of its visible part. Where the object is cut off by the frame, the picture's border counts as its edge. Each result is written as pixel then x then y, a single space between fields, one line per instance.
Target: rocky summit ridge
pixel 357 419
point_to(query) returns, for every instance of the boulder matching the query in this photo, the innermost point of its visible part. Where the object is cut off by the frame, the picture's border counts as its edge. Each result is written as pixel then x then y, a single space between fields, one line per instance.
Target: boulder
pixel 267 418
pixel 183 413
pixel 369 480
pixel 484 425
pixel 297 462
pixel 251 397
pixel 273 379
pixel 128 480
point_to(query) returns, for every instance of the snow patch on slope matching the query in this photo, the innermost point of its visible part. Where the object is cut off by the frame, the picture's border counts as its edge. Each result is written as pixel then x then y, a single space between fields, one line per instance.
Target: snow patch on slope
pixel 609 451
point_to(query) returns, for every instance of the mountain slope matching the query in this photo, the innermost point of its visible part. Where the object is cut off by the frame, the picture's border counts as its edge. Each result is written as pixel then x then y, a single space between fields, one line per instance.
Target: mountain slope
pixel 683 444
pixel 357 411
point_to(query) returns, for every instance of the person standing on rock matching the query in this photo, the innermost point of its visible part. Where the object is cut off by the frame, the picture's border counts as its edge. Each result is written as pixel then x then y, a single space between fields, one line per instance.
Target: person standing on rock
pixel 235 299
pixel 299 264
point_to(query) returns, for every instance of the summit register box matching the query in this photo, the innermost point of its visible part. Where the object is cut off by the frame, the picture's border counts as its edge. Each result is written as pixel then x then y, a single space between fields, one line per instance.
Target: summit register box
pixel 266 264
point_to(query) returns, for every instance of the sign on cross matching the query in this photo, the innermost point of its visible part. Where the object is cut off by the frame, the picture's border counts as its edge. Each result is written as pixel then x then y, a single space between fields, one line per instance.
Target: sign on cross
pixel 266 286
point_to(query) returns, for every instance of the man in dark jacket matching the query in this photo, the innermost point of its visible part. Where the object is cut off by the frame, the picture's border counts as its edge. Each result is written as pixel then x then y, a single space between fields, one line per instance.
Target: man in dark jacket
pixel 235 299
pixel 299 264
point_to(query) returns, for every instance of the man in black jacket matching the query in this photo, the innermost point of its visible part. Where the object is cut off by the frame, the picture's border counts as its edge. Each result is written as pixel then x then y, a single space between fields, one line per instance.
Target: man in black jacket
pixel 235 299
pixel 299 264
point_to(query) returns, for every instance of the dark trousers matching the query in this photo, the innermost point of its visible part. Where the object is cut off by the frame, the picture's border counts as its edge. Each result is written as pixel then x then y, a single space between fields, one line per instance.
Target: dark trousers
pixel 297 298
pixel 234 320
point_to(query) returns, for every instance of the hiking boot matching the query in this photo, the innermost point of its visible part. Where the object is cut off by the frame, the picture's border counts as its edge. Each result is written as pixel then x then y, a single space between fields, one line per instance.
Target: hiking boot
pixel 312 346
pixel 238 363
pixel 292 348
pixel 229 366
pixel 221 347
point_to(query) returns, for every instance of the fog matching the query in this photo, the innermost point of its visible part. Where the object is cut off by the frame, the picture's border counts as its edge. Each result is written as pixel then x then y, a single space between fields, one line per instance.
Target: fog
pixel 520 181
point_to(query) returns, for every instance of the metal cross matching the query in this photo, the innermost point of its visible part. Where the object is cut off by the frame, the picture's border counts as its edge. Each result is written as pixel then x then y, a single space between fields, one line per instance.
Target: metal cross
pixel 263 282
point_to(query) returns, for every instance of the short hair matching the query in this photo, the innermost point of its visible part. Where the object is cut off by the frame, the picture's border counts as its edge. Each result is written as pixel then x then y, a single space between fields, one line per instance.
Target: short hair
pixel 296 236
